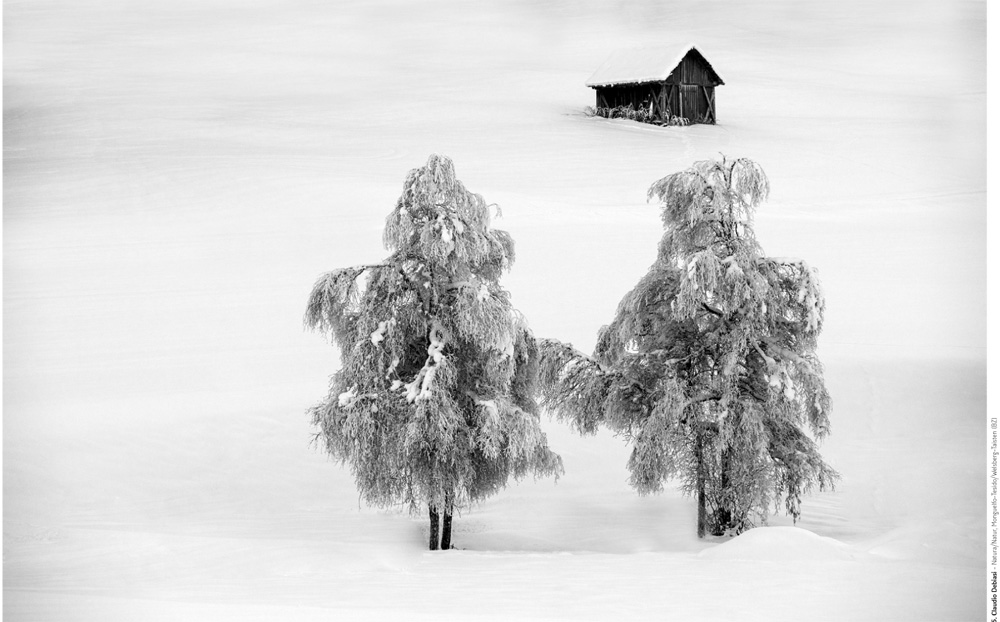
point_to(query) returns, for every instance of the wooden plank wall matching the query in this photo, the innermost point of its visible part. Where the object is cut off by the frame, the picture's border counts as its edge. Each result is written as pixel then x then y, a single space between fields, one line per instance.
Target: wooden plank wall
pixel 692 70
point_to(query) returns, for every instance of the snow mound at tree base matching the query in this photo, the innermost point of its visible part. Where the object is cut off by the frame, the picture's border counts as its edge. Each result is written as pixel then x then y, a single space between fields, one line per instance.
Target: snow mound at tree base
pixel 780 544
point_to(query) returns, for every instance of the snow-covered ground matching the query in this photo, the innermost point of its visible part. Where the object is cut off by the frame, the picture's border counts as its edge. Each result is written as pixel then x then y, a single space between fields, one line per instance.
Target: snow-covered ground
pixel 177 173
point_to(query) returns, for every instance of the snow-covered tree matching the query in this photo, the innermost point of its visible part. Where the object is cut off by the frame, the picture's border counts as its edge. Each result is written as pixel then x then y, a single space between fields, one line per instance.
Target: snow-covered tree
pixel 709 367
pixel 434 403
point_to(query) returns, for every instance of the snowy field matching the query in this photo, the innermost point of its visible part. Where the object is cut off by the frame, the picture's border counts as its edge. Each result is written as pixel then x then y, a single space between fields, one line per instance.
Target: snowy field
pixel 177 174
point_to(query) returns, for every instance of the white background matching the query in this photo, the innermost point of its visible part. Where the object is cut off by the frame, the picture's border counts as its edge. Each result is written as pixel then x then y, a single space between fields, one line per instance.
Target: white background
pixel 177 174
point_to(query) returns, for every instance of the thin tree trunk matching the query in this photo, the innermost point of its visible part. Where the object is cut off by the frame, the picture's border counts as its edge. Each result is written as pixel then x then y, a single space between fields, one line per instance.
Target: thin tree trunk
pixel 434 528
pixel 446 525
pixel 700 485
pixel 702 510
pixel 724 514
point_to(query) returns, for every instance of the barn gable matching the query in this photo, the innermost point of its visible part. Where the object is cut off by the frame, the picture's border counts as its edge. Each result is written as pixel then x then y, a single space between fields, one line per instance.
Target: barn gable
pixel 665 83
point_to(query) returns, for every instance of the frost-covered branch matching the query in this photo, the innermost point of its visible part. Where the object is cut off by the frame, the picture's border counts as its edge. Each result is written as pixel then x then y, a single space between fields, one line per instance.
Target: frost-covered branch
pixel 574 387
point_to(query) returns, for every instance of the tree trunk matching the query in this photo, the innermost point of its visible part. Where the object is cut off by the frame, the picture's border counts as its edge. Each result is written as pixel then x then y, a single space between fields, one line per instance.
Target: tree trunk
pixel 446 528
pixel 449 507
pixel 700 485
pixel 723 513
pixel 434 528
pixel 702 510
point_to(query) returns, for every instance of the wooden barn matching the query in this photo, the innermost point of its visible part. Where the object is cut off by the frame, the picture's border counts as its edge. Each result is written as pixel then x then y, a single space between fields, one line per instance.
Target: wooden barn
pixel 664 83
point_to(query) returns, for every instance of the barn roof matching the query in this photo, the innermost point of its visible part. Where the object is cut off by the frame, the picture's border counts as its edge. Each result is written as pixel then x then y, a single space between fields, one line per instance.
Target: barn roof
pixel 642 65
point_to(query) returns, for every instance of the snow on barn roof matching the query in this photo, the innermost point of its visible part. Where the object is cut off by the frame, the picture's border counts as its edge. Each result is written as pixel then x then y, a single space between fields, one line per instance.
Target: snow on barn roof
pixel 651 64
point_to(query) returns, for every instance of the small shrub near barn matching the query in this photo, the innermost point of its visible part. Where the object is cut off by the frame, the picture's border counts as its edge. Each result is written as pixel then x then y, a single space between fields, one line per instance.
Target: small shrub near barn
pixel 635 114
